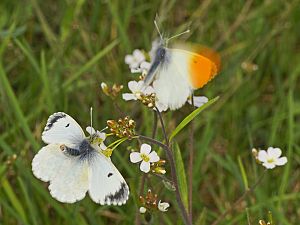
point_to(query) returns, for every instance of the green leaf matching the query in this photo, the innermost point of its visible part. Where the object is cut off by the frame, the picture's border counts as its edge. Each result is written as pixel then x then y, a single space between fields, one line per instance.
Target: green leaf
pixel 243 172
pixel 201 220
pixel 191 116
pixel 183 189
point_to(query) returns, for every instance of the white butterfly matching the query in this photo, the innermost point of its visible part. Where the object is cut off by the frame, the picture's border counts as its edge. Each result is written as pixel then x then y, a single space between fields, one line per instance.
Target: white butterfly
pixel 176 72
pixel 74 164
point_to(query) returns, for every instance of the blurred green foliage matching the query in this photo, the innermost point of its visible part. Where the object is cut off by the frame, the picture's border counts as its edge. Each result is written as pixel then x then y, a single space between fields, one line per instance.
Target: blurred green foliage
pixel 55 54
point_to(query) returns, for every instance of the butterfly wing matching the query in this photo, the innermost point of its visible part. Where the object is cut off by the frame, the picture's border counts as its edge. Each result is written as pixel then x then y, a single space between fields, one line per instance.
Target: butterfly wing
pixel 68 175
pixel 182 72
pixel 62 129
pixel 106 184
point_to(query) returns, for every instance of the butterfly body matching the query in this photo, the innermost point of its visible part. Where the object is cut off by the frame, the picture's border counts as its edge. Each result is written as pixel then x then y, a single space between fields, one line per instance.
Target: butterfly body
pixel 74 164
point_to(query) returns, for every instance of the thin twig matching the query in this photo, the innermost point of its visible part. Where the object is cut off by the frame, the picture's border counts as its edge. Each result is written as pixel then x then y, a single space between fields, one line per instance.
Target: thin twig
pixel 191 162
pixel 173 175
pixel 170 158
pixel 238 201
pixel 143 178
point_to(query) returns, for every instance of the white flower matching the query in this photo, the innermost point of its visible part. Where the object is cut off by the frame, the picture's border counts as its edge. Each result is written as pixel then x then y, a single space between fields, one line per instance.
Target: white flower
pixel 99 137
pixel 143 68
pixel 135 59
pixel 163 206
pixel 271 158
pixel 198 100
pixel 146 156
pixel 142 210
pixel 137 89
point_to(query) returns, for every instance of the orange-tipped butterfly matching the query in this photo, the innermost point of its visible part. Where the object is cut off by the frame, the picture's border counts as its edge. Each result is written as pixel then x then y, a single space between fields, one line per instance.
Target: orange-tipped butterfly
pixel 177 72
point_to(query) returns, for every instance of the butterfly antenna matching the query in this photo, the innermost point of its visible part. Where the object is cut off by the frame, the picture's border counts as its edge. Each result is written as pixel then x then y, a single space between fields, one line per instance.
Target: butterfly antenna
pixel 91 115
pixel 157 28
pixel 177 35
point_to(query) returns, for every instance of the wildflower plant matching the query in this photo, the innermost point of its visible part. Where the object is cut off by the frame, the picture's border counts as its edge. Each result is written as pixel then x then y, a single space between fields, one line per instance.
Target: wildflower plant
pixel 148 157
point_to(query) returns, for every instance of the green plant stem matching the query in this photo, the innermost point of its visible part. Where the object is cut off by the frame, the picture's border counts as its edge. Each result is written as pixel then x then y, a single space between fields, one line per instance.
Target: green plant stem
pixel 143 178
pixel 239 200
pixel 170 158
pixel 191 163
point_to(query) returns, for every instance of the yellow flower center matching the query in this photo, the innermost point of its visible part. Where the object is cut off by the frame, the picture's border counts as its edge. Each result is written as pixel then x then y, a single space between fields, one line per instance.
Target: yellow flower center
pixel 271 160
pixel 96 140
pixel 145 157
pixel 138 94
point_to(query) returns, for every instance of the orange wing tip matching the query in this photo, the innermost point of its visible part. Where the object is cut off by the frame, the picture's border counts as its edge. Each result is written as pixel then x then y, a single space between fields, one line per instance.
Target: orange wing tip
pixel 201 70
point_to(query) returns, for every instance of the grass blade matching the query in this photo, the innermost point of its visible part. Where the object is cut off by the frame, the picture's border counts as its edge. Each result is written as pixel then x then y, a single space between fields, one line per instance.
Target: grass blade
pixel 183 188
pixel 14 200
pixel 16 107
pixel 90 63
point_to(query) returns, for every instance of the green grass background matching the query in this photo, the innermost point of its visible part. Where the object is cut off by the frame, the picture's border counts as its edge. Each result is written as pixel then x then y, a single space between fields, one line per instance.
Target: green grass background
pixel 54 54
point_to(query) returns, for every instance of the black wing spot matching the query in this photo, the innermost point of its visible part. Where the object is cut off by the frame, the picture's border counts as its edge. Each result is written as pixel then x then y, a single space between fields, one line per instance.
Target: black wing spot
pixel 68 125
pixel 120 196
pixel 109 175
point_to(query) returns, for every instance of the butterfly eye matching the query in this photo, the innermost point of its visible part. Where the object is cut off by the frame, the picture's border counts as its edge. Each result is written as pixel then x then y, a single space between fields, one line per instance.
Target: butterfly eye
pixel 68 125
pixel 161 53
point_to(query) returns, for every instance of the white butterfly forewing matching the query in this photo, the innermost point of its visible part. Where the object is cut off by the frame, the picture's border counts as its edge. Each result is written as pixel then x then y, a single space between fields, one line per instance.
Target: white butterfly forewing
pixel 62 129
pixel 172 86
pixel 107 186
pixel 68 175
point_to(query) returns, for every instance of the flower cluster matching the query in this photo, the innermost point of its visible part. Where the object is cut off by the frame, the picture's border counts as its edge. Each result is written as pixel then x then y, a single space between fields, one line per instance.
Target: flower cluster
pixel 270 158
pixel 150 202
pixel 137 62
pixel 123 127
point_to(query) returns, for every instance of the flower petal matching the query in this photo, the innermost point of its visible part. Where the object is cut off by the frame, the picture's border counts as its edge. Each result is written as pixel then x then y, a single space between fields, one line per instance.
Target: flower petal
pixel 198 101
pixel 148 90
pixel 135 70
pixel 134 65
pixel 101 135
pixel 133 86
pixel 161 107
pixel 153 157
pixel 129 59
pixel 103 146
pixel 146 149
pixel 138 55
pixel 274 152
pixel 163 206
pixel 90 130
pixel 262 156
pixel 145 167
pixel 145 65
pixel 269 165
pixel 135 157
pixel 281 161
pixel 128 96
